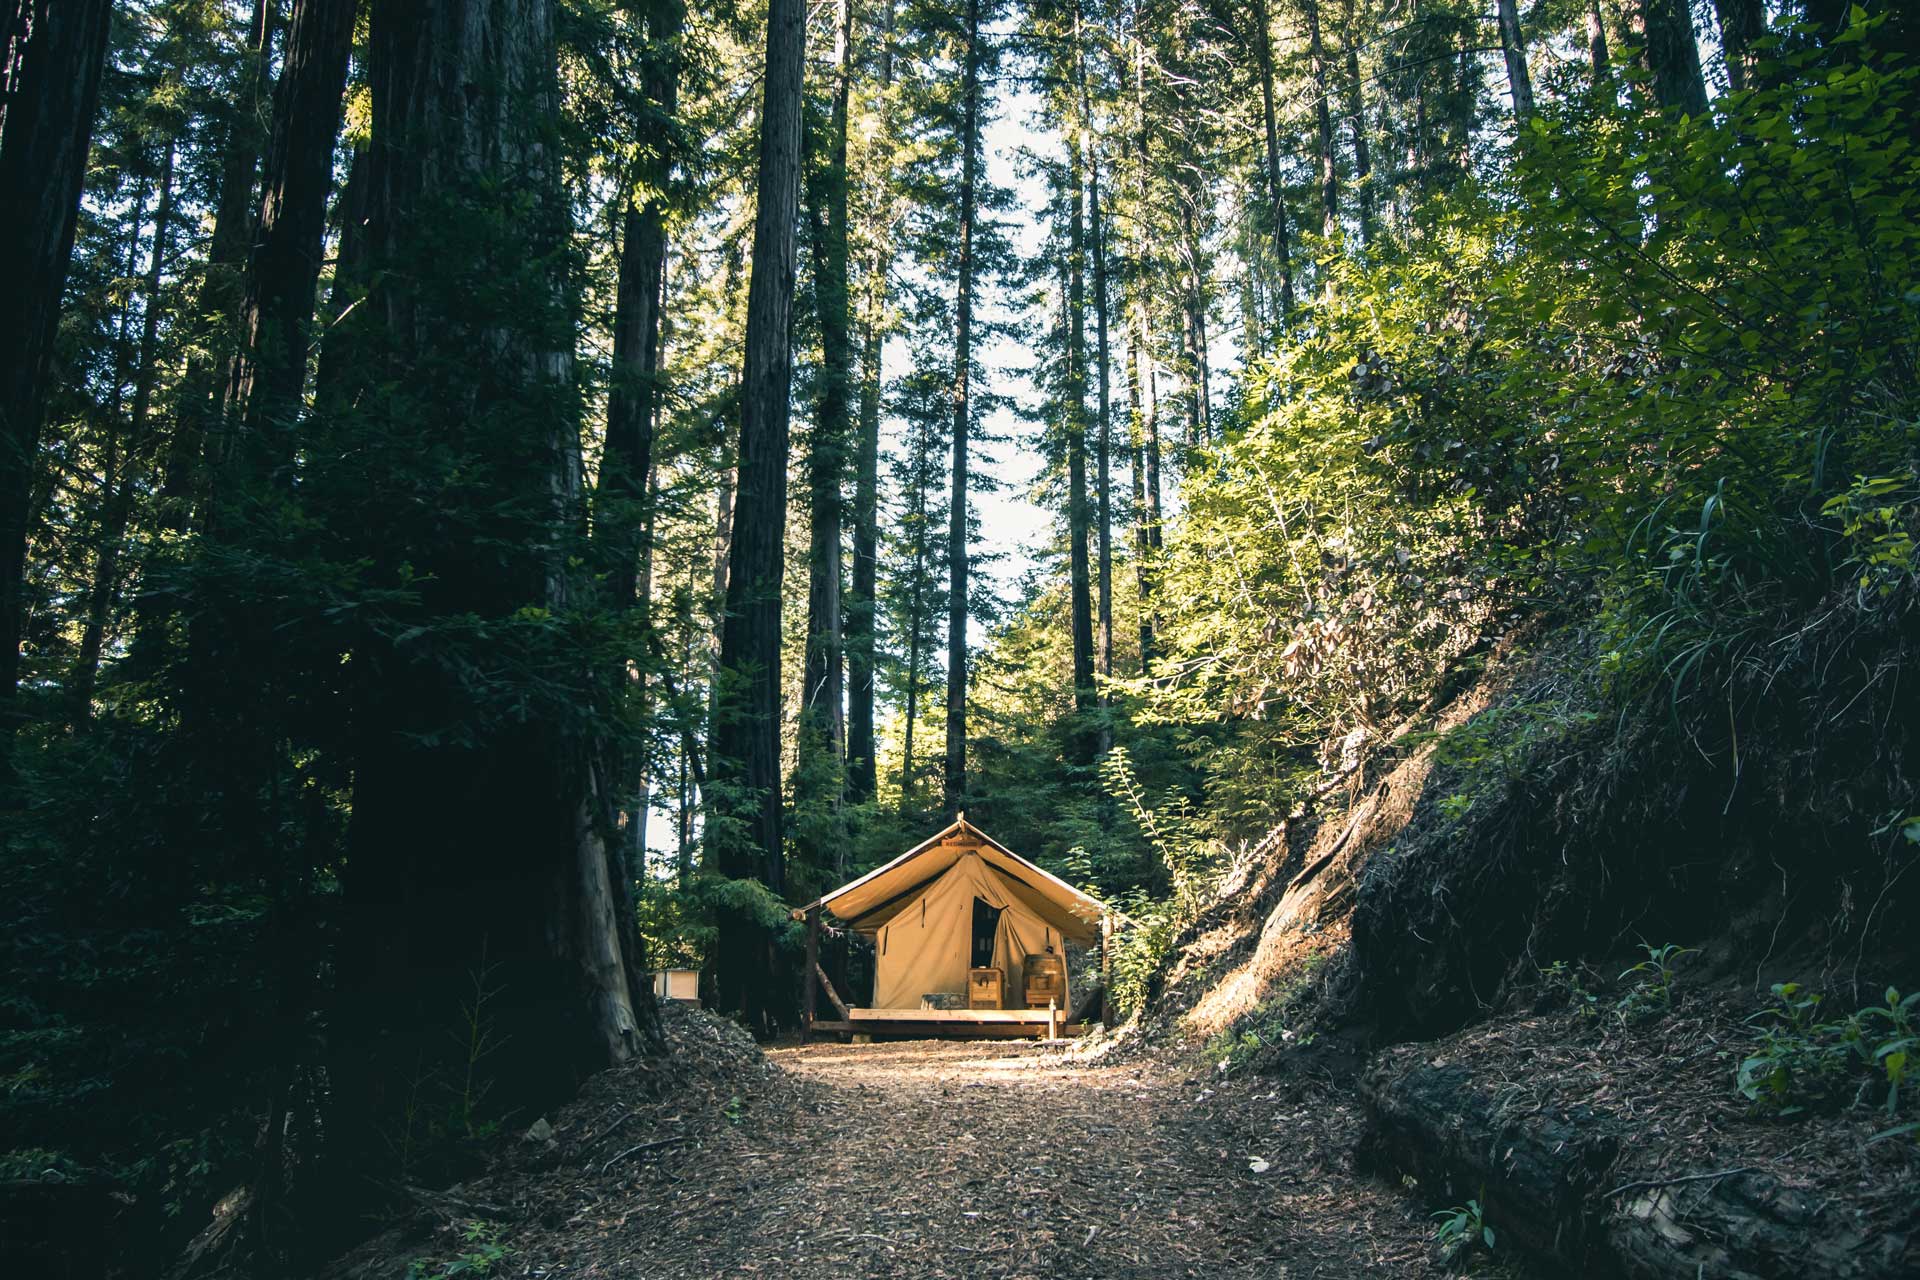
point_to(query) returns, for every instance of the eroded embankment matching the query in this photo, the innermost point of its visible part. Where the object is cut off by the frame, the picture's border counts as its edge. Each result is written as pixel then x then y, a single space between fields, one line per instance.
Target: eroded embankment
pixel 1421 927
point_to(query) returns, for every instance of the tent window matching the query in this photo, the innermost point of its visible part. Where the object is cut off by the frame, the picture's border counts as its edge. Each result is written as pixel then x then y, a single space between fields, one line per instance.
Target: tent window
pixel 986 923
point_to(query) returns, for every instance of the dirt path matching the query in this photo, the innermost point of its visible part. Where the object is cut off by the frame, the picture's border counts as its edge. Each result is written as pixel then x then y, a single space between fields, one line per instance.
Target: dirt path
pixel 991 1160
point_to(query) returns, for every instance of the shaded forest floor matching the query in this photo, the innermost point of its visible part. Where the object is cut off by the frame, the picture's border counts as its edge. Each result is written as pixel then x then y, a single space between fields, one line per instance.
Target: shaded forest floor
pixel 923 1159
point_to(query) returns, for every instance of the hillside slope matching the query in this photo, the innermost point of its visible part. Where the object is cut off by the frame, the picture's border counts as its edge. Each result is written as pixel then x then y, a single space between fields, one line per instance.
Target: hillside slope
pixel 1538 925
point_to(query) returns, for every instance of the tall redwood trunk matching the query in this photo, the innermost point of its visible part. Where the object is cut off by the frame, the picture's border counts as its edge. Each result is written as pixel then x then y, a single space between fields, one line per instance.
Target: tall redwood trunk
pixel 1742 24
pixel 1598 58
pixel 916 603
pixel 1513 45
pixel 1323 119
pixel 203 388
pixel 1261 38
pixel 1357 125
pixel 1103 423
pixel 1136 468
pixel 1673 56
pixel 866 485
pixel 623 502
pixel 1074 419
pixel 822 743
pixel 479 877
pixel 955 782
pixel 54 53
pixel 276 318
pixel 126 462
pixel 748 836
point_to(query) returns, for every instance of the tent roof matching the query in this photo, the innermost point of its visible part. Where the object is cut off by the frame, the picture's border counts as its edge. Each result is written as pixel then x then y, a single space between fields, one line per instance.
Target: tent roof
pixel 870 901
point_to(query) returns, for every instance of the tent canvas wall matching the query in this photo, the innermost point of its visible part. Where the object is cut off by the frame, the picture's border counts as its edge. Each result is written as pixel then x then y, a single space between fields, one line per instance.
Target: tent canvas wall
pixel 927 945
pixel 928 909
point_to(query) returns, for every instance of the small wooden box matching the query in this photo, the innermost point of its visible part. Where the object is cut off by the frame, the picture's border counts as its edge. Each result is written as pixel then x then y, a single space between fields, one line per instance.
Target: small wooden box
pixel 986 989
pixel 1046 980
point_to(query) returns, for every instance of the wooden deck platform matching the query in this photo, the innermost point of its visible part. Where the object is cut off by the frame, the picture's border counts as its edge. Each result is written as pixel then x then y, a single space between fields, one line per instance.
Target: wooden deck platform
pixel 945 1024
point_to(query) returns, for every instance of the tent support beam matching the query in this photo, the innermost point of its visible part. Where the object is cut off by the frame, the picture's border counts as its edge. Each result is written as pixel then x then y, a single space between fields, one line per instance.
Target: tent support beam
pixel 833 994
pixel 813 972
pixel 1106 969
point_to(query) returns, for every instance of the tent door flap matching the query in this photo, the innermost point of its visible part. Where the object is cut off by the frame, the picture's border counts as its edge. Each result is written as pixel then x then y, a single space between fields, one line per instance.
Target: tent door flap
pixel 986 924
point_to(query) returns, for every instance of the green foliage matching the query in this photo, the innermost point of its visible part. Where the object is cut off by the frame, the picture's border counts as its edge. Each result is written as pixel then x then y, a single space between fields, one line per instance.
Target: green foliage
pixel 483 1256
pixel 1141 946
pixel 1800 1061
pixel 1462 1227
pixel 1663 372
pixel 444 1107
pixel 1568 981
pixel 1651 995
pixel 1274 1025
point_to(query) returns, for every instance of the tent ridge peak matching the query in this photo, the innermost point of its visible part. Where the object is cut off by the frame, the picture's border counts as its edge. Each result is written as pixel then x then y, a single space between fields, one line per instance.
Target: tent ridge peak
pixel 891 881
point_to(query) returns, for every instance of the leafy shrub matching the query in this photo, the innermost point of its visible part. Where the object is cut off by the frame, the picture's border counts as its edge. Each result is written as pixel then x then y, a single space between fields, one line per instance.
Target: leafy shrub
pixel 1462 1227
pixel 1800 1062
pixel 1193 861
pixel 1651 995
pixel 483 1256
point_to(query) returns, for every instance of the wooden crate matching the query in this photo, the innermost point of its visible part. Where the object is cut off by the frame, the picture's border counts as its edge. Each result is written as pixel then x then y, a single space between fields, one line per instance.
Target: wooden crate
pixel 986 989
pixel 1046 980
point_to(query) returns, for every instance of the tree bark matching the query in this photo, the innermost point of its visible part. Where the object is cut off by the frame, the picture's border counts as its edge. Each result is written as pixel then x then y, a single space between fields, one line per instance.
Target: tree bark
pixel 1673 56
pixel 1513 46
pixel 1323 119
pixel 1103 424
pixel 1742 24
pixel 1136 468
pixel 335 372
pixel 54 55
pixel 746 733
pixel 203 388
pixel 955 781
pixel 1357 124
pixel 861 599
pixel 916 601
pixel 1262 41
pixel 276 318
pixel 1597 42
pixel 123 472
pixel 479 877
pixel 623 516
pixel 822 745
pixel 1074 419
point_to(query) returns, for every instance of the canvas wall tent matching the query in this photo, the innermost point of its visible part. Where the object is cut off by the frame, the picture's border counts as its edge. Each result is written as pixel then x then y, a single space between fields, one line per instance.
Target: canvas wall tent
pixel 960 900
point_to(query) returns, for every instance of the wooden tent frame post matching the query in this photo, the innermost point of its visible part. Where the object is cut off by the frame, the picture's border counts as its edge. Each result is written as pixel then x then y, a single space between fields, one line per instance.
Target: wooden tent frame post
pixel 813 968
pixel 1106 969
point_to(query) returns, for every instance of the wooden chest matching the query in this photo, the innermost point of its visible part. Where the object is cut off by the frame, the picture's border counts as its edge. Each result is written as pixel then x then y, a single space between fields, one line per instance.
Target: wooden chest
pixel 1046 980
pixel 986 989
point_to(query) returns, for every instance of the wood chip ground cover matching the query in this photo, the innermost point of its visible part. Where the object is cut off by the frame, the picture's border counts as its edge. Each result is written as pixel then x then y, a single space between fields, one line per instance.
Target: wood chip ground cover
pixel 934 1159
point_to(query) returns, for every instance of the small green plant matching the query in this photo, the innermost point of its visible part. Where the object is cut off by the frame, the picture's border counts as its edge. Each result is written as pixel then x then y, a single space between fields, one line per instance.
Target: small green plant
pixel 484 1253
pixel 1651 995
pixel 1894 1042
pixel 1792 1064
pixel 736 1109
pixel 1563 978
pixel 1462 1227
pixel 1800 1061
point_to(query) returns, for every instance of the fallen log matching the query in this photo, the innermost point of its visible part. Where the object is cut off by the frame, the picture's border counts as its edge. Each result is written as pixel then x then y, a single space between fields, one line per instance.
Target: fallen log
pixel 1547 1181
pixel 1745 1223
pixel 1537 1174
